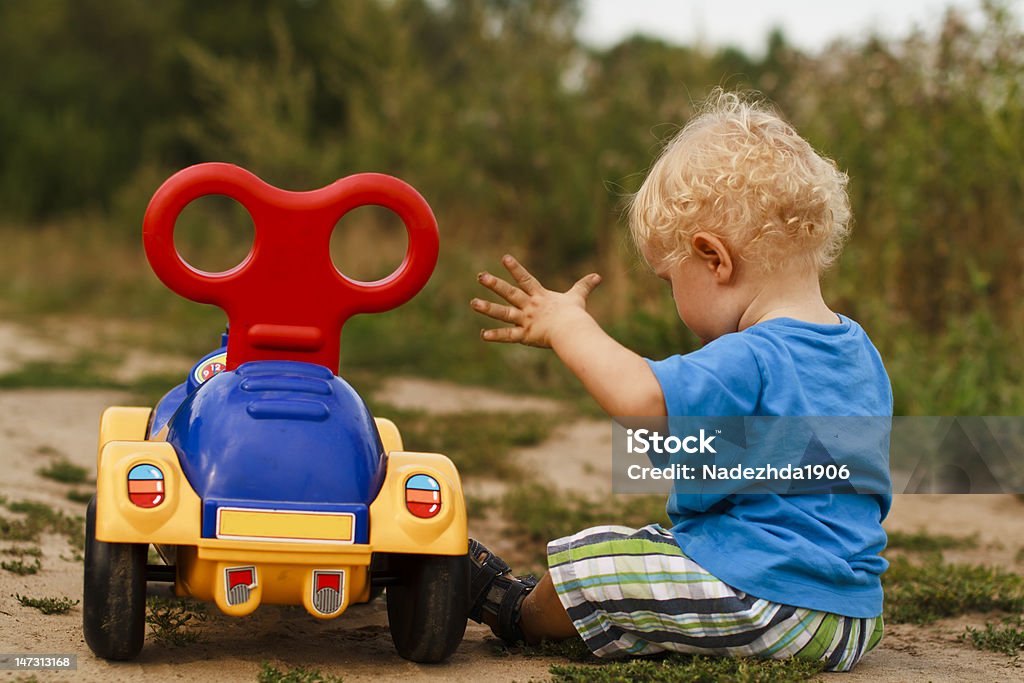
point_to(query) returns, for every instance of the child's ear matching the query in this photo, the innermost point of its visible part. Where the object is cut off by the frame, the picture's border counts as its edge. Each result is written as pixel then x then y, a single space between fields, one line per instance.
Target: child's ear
pixel 714 255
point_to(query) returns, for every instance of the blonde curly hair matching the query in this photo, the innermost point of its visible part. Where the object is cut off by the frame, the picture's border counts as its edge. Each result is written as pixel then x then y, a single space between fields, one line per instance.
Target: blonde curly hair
pixel 740 172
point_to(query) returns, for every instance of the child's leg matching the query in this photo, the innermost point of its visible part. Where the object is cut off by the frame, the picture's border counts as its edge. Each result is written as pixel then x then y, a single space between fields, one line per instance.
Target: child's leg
pixel 515 609
pixel 634 592
pixel 543 617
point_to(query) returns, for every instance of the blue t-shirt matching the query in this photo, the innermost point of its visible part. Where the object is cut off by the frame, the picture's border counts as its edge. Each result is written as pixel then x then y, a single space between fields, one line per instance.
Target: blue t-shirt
pixel 815 551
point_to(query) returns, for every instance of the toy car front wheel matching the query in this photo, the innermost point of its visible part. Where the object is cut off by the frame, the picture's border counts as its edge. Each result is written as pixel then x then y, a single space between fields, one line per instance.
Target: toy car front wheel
pixel 427 605
pixel 114 601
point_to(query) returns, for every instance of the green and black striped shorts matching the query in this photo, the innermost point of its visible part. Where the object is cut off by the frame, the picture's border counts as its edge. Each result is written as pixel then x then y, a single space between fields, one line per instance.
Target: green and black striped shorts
pixel 634 592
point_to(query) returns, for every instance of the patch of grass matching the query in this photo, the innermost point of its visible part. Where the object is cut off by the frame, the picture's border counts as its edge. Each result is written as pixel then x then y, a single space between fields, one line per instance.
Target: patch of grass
pixel 922 592
pixel 20 568
pixel 538 513
pixel 924 542
pixel 17 530
pixel 690 669
pixel 149 389
pixel 65 472
pixel 83 371
pixel 171 621
pixel 300 674
pixel 48 605
pixel 1007 639
pixel 38 518
pixel 477 507
pixel 80 496
pixel 572 649
pixel 23 551
pixel 478 443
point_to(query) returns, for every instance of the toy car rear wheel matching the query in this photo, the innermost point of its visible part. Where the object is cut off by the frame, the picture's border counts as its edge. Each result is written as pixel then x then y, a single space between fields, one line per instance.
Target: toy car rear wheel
pixel 427 605
pixel 114 599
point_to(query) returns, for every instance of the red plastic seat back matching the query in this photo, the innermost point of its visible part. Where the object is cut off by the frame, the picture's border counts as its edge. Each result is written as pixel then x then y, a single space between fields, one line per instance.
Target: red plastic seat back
pixel 286 300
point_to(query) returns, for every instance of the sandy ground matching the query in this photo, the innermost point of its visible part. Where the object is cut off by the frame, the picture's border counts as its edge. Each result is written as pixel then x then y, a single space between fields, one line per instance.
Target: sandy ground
pixel 37 426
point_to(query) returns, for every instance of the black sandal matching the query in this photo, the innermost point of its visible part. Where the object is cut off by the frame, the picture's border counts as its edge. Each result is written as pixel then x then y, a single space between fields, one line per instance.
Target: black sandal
pixel 494 590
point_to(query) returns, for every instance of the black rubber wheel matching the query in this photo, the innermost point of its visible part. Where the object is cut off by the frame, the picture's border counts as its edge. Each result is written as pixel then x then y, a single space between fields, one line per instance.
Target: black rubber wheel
pixel 427 607
pixel 114 597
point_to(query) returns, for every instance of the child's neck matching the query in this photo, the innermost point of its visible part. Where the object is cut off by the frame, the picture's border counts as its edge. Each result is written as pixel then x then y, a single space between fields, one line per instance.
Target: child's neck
pixel 794 295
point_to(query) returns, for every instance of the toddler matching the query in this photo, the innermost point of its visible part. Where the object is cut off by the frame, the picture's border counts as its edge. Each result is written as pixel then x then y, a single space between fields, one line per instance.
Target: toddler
pixel 740 216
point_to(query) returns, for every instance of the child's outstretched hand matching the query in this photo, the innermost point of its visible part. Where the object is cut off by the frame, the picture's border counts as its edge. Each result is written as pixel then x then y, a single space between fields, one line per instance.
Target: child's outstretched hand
pixel 537 315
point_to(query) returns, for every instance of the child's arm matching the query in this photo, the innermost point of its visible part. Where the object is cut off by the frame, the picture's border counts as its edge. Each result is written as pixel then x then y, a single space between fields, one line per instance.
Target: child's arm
pixel 619 380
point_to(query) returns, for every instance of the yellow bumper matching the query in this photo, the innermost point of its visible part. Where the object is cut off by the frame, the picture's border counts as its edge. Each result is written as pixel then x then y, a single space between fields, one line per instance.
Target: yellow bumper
pixel 270 556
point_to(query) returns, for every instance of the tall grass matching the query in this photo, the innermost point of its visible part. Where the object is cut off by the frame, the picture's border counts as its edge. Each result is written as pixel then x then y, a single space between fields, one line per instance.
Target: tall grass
pixel 523 140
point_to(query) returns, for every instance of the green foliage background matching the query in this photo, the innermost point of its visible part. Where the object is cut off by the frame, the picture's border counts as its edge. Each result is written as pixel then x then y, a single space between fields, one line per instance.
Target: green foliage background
pixel 522 139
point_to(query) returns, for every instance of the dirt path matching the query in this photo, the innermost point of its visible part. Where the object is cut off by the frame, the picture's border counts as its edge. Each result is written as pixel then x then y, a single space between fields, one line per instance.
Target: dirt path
pixel 37 427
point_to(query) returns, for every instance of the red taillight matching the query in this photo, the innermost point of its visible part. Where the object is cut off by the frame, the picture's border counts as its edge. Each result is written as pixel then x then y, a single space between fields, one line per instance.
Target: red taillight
pixel 239 583
pixel 422 496
pixel 146 486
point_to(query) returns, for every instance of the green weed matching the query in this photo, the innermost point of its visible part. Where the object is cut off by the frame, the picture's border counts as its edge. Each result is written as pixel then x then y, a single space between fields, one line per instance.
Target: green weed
pixel 573 649
pixel 171 621
pixel 922 592
pixel 690 669
pixel 538 514
pixel 79 495
pixel 17 530
pixel 38 518
pixel 48 605
pixel 480 444
pixel 477 507
pixel 20 568
pixel 300 674
pixel 1007 638
pixel 65 472
pixel 83 371
pixel 23 551
pixel 924 542
pixel 149 389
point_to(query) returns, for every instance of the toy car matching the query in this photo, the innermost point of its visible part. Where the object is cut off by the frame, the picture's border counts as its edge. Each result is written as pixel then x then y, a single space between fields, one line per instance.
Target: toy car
pixel 263 478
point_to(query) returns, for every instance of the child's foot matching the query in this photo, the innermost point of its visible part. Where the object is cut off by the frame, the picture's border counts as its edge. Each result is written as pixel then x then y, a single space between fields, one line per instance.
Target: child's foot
pixel 497 596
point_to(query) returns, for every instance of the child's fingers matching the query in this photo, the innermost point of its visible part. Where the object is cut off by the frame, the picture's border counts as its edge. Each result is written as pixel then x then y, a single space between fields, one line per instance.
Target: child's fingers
pixel 529 283
pixel 513 295
pixel 586 284
pixel 506 314
pixel 507 335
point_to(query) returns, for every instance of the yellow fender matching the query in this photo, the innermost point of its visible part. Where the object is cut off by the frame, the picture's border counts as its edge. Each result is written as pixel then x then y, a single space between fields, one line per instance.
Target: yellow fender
pixel 393 529
pixel 175 522
pixel 119 423
pixel 389 434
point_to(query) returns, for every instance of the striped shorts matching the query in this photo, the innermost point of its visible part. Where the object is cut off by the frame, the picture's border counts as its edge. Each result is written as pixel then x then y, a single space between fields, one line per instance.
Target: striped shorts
pixel 634 592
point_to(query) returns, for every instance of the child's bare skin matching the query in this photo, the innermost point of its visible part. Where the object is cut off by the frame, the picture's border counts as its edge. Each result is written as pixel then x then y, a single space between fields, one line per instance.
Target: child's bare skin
pixel 559 320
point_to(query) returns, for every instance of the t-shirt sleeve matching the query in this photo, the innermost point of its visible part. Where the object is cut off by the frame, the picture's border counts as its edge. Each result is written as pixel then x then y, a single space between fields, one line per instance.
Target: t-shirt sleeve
pixel 721 379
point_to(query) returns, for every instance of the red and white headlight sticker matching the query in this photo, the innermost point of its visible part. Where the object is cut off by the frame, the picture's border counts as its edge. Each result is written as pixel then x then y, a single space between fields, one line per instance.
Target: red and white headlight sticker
pixel 146 486
pixel 423 496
